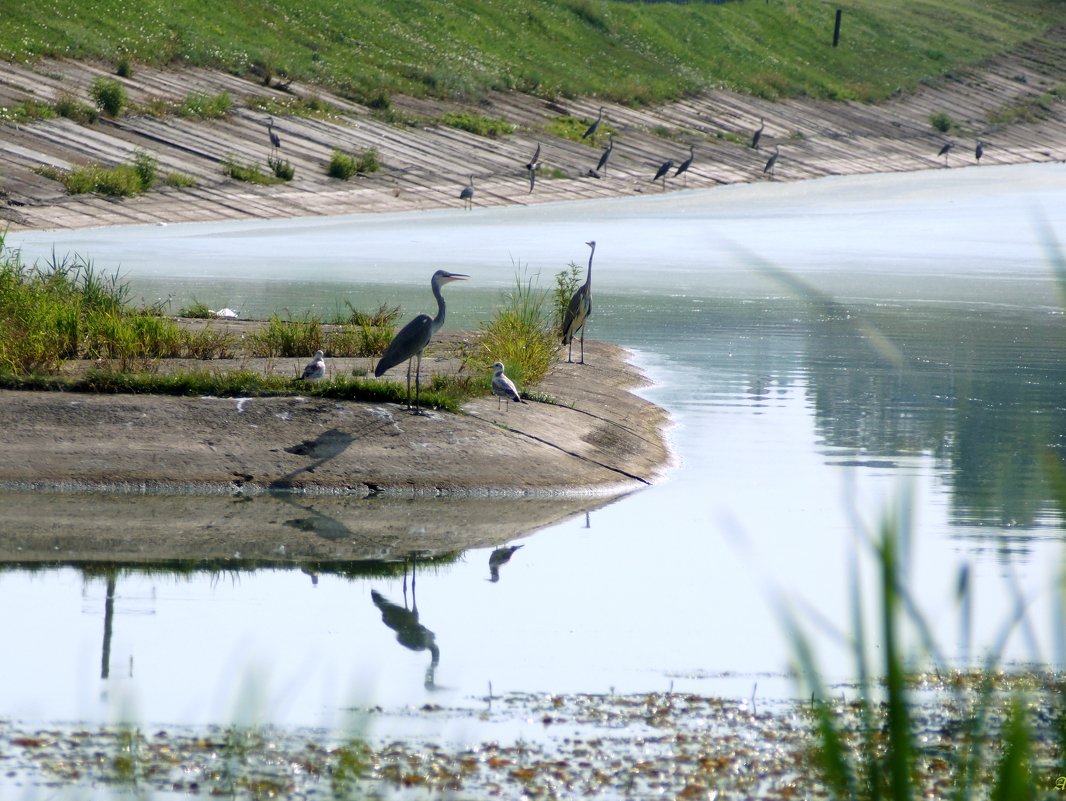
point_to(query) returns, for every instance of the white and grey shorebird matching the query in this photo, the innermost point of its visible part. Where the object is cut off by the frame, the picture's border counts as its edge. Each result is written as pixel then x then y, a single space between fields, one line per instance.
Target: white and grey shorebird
pixel 503 387
pixel 316 368
pixel 411 340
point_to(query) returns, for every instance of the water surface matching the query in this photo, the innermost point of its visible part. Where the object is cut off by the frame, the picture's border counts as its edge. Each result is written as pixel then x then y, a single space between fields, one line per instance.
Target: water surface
pixel 824 350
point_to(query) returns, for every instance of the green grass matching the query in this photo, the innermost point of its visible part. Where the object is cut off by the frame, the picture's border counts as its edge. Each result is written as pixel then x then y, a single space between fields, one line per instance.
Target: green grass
pixel 632 52
pixel 344 166
pixel 489 127
pixel 249 173
pixel 122 180
pixel 521 334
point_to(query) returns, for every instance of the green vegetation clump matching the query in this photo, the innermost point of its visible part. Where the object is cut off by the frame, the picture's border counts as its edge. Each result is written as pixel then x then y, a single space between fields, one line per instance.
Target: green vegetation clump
pixel 566 283
pixel 71 108
pixel 123 180
pixel 206 107
pixel 249 173
pixel 109 96
pixel 180 180
pixel 521 334
pixel 344 166
pixel 298 338
pixel 282 168
pixel 941 121
pixel 27 111
pixel 476 124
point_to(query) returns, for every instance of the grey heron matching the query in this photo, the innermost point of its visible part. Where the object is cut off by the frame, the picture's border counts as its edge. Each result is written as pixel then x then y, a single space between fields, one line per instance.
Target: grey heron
pixel 503 387
pixel 315 369
pixel 772 162
pixel 578 311
pixel 591 131
pixel 602 163
pixel 498 558
pixel 467 195
pixel 686 164
pixel 945 150
pixel 755 137
pixel 275 140
pixel 412 339
pixel 664 168
pixel 979 151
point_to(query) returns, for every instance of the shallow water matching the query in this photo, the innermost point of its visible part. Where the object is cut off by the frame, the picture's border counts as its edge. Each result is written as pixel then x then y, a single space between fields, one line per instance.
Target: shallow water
pixel 935 373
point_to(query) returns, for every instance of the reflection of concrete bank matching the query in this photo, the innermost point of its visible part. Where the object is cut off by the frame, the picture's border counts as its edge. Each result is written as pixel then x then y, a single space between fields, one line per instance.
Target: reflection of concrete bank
pixel 264 529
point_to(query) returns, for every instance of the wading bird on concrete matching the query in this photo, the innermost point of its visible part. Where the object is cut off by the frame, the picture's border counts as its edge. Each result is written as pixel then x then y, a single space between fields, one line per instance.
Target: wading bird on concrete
pixel 771 163
pixel 979 151
pixel 602 163
pixel 412 339
pixel 664 168
pixel 498 558
pixel 945 150
pixel 578 311
pixel 275 140
pixel 755 137
pixel 686 164
pixel 315 369
pixel 467 195
pixel 592 128
pixel 503 387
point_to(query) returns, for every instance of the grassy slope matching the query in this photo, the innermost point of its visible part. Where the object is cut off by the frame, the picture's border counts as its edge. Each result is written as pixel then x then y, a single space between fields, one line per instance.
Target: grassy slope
pixel 627 51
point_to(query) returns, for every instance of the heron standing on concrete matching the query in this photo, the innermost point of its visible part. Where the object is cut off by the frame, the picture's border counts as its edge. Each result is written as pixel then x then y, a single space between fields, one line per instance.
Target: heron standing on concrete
pixel 686 164
pixel 578 311
pixel 755 137
pixel 602 163
pixel 467 195
pixel 592 128
pixel 503 387
pixel 412 339
pixel 664 168
pixel 275 140
pixel 772 162
pixel 945 150
pixel 315 369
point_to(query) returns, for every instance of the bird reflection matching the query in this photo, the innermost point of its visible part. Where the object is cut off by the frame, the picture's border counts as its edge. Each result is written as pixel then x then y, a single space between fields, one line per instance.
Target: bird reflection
pixel 499 557
pixel 409 632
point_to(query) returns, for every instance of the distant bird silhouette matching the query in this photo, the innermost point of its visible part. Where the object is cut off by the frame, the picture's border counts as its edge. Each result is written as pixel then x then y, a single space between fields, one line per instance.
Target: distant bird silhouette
pixel 664 168
pixel 467 195
pixel 315 369
pixel 275 140
pixel 532 167
pixel 578 311
pixel 503 387
pixel 771 163
pixel 412 339
pixel 686 164
pixel 945 150
pixel 533 162
pixel 979 151
pixel 410 633
pixel 592 128
pixel 755 137
pixel 602 163
pixel 498 558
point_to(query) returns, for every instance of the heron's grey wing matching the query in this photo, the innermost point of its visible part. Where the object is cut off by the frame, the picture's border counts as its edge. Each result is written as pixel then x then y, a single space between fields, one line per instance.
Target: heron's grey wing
pixel 409 340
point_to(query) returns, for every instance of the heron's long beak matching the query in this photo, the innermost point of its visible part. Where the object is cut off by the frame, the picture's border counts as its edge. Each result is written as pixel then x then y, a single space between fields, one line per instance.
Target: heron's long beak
pixel 456 277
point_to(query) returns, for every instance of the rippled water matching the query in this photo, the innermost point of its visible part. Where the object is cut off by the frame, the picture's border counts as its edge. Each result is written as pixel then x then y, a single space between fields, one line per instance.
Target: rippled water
pixel 824 349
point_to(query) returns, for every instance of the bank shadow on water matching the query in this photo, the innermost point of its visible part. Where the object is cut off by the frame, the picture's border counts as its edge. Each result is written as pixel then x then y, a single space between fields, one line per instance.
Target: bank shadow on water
pixel 268 530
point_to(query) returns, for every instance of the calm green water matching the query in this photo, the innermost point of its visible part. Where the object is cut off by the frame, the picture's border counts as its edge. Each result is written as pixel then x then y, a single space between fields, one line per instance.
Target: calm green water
pixel 912 347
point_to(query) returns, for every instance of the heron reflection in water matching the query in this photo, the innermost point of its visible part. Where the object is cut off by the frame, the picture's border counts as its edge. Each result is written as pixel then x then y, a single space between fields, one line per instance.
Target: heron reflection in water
pixel 410 633
pixel 498 558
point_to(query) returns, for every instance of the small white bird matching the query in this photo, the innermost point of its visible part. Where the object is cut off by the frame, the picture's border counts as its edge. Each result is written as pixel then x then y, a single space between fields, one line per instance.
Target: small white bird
pixel 503 387
pixel 315 369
